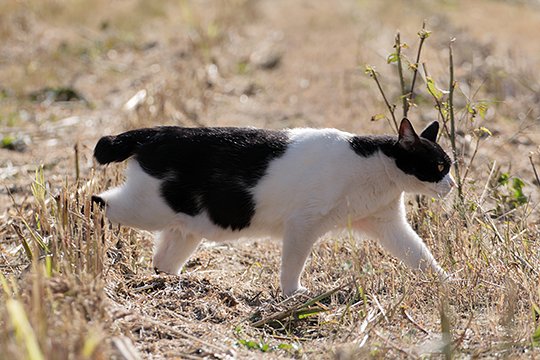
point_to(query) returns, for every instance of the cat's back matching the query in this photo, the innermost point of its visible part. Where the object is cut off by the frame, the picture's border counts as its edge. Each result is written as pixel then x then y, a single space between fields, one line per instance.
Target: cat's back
pixel 318 170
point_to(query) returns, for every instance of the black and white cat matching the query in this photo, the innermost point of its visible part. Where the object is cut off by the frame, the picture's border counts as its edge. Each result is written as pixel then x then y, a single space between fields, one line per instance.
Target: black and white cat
pixel 225 183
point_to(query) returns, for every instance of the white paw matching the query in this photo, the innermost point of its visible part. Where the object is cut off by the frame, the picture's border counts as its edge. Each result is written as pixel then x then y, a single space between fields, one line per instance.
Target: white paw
pixel 295 291
pixel 166 267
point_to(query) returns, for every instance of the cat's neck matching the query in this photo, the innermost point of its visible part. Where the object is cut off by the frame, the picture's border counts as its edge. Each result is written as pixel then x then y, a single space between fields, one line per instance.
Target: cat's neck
pixel 368 145
pixel 385 149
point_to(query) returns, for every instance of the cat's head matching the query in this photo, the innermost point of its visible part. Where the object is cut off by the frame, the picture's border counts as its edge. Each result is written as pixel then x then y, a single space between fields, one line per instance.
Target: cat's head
pixel 426 163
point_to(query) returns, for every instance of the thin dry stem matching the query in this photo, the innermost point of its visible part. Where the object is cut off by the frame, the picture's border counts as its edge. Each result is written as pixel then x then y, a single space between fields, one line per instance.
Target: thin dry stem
pixel 423 38
pixel 534 170
pixel 452 87
pixel 391 108
pixel 401 78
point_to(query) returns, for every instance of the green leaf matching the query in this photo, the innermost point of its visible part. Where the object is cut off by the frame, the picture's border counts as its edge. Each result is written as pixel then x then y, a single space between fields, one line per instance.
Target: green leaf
pixel 503 179
pixel 48 266
pixel 471 109
pixel 304 313
pixel 482 109
pixel 482 132
pixel 536 337
pixel 250 344
pixel 285 346
pixel 255 345
pixel 392 58
pixel 517 186
pixel 91 343
pixel 369 70
pixel 377 117
pixel 444 108
pixel 424 34
pixel 23 329
pixel 432 88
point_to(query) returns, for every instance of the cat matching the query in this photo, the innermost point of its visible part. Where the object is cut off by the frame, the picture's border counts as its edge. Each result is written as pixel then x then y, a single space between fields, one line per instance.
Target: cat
pixel 225 183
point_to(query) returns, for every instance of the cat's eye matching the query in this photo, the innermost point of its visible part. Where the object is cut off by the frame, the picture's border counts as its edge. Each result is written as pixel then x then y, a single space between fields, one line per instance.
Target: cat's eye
pixel 440 166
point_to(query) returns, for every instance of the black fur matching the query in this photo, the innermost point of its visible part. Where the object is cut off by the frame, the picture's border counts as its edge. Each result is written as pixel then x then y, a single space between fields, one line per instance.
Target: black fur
pixel 118 148
pixel 367 145
pixel 421 159
pixel 98 201
pixel 208 169
pixel 431 131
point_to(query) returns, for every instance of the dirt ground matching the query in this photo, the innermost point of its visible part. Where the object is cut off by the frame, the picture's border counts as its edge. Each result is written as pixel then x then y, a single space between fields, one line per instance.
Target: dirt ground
pixel 71 72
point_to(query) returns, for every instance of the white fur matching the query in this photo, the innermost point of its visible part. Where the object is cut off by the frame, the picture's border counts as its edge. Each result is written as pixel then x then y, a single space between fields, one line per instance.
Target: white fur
pixel 316 186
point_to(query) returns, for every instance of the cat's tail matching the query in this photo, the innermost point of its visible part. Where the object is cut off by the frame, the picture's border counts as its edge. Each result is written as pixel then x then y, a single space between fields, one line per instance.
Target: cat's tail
pixel 117 148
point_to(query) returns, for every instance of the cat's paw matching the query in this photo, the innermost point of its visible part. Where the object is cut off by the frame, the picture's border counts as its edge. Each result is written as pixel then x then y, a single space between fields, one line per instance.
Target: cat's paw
pixel 164 271
pixel 293 292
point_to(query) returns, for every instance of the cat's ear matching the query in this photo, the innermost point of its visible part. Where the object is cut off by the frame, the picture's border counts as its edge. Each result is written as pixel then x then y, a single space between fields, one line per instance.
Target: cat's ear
pixel 431 131
pixel 407 137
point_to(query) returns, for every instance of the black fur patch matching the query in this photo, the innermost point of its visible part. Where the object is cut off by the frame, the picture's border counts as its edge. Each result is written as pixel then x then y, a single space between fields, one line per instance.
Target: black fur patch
pixel 422 160
pixel 118 148
pixel 367 145
pixel 210 169
pixel 99 201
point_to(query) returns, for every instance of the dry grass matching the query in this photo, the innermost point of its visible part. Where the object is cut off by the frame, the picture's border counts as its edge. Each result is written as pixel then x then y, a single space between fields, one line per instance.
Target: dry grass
pixel 74 286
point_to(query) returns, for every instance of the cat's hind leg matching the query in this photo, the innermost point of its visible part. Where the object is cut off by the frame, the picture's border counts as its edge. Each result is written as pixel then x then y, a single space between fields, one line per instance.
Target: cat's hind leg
pixel 172 249
pixel 138 202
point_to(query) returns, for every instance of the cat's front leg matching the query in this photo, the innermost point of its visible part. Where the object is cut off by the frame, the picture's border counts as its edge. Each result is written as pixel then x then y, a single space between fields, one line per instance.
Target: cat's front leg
pixel 298 239
pixel 172 249
pixel 394 233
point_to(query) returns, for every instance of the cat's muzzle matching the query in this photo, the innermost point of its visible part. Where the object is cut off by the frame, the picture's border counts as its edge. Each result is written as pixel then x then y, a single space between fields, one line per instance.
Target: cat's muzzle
pixel 443 187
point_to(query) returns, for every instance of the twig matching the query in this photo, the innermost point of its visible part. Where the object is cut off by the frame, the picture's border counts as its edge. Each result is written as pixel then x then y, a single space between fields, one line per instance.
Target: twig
pixel 289 338
pixel 534 169
pixel 452 86
pixel 446 329
pixel 439 105
pixel 77 168
pixel 401 79
pixel 125 347
pixel 185 335
pixel 423 34
pixel 298 308
pixel 394 346
pixel 371 72
pixel 460 339
pixel 484 192
pixel 472 157
pixel 379 306
pixel 411 320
